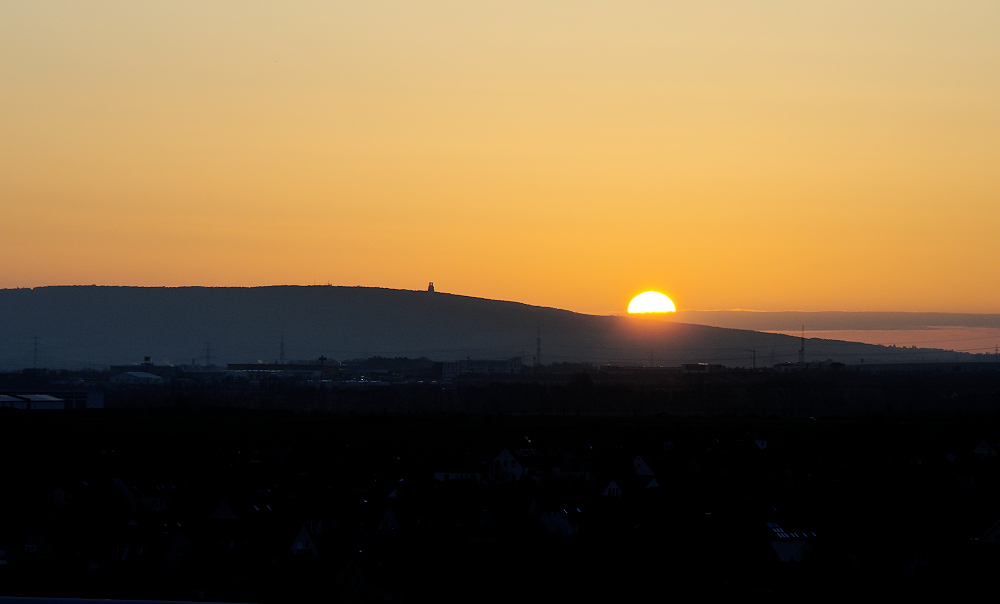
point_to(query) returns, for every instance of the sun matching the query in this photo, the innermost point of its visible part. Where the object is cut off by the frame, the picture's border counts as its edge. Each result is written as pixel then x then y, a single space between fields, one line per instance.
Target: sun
pixel 647 302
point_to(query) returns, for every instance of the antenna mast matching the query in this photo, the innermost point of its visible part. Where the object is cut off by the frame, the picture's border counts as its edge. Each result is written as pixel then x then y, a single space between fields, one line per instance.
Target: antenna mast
pixel 802 347
pixel 538 348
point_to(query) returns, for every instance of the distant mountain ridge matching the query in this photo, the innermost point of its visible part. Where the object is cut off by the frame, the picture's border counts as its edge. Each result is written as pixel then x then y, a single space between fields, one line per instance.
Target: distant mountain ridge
pixel 97 326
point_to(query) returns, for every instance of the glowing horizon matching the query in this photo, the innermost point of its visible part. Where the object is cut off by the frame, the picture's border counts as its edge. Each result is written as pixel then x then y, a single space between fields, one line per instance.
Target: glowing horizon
pixel 651 303
pixel 764 156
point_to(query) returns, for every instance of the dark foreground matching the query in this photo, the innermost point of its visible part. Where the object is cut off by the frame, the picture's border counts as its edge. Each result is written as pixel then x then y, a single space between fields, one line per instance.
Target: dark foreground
pixel 244 505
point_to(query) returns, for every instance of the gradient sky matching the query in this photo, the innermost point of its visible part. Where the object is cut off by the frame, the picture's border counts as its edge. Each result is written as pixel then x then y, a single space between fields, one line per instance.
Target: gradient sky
pixel 765 155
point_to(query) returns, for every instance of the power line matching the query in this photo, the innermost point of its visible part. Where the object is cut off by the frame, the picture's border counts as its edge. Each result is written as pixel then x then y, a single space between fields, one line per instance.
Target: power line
pixel 802 348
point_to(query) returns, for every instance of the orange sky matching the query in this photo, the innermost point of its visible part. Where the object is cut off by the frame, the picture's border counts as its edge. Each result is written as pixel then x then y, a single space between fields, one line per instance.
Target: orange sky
pixel 767 155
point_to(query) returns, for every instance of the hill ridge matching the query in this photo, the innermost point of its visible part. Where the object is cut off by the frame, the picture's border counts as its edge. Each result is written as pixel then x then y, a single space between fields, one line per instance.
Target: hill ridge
pixel 97 326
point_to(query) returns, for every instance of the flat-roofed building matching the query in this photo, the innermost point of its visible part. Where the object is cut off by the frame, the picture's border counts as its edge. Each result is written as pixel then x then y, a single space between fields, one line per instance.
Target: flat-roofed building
pixel 453 369
pixel 136 378
pixel 31 401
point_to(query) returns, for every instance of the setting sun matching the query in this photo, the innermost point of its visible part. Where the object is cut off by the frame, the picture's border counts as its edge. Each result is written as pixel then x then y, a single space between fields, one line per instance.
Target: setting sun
pixel 647 302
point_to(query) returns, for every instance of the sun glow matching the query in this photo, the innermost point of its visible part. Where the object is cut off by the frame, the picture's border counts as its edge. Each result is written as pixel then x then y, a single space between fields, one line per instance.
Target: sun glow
pixel 648 302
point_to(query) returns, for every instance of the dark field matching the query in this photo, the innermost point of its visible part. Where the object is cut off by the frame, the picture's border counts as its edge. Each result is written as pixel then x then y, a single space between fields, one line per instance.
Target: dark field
pixel 187 501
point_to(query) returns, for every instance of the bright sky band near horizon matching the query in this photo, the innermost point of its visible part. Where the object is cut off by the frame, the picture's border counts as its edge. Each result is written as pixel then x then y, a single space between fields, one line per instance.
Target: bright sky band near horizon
pixel 766 155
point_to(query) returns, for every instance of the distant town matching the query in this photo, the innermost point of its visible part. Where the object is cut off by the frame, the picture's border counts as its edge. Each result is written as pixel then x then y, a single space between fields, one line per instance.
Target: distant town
pixel 147 383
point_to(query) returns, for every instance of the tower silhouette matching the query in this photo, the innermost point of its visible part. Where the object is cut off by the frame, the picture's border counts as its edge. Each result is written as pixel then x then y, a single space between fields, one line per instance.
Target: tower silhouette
pixel 538 348
pixel 802 346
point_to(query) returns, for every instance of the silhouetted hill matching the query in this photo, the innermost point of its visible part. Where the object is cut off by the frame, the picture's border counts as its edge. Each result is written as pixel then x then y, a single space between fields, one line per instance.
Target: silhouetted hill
pixel 790 320
pixel 94 326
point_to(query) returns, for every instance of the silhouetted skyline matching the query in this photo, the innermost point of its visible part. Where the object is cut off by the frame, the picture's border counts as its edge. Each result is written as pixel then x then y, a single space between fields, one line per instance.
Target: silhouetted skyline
pixel 326 302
